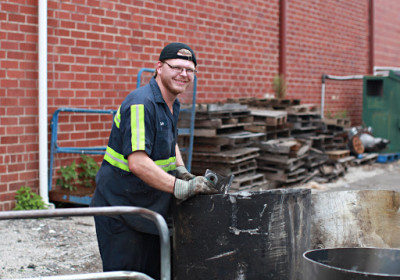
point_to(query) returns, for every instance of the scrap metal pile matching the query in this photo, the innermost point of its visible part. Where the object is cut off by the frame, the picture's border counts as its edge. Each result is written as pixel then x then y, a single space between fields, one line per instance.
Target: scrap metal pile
pixel 270 143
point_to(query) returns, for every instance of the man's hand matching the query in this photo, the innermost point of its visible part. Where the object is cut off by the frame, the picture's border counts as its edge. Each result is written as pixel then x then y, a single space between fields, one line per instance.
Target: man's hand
pixel 198 185
pixel 182 173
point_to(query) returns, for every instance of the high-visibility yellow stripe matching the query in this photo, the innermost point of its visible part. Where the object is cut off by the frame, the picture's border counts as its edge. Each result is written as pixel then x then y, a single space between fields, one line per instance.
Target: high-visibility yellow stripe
pixel 138 128
pixel 117 118
pixel 116 159
pixel 167 164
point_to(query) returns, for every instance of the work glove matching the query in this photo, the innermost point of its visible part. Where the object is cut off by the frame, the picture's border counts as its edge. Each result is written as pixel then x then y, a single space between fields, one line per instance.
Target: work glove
pixel 182 173
pixel 198 185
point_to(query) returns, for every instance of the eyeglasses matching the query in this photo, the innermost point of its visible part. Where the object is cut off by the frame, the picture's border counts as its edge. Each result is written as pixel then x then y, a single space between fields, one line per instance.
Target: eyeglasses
pixel 179 70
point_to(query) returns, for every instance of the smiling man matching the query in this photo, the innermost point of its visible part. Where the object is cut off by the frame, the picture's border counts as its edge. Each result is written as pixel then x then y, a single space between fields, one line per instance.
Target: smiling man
pixel 143 166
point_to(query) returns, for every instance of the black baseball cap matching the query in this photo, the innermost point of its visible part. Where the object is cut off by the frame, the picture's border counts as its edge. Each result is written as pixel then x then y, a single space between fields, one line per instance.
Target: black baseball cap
pixel 177 50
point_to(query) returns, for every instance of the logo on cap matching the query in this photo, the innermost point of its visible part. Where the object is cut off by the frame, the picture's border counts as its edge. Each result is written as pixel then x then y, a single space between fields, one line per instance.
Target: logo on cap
pixel 185 52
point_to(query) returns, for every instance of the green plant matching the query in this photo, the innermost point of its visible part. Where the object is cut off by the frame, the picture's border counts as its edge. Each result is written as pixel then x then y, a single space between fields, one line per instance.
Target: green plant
pixel 69 177
pixel 89 170
pixel 279 85
pixel 28 200
pixel 342 114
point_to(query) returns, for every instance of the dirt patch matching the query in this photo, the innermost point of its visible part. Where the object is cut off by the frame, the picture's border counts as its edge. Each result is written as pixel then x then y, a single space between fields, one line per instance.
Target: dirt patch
pixel 44 247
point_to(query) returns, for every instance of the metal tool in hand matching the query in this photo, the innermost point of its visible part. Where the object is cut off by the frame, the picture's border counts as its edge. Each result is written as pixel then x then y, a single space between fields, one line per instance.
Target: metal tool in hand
pixel 221 183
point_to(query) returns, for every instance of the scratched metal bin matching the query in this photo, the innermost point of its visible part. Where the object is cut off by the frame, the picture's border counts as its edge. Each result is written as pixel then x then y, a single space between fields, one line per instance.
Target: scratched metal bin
pixel 245 235
pixel 352 264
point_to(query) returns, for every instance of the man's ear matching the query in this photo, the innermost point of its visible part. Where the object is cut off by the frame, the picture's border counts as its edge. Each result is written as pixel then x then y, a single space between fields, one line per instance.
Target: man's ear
pixel 158 66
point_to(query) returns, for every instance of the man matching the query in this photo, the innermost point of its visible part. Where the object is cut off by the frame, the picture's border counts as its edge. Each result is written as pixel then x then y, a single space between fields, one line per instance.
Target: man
pixel 143 166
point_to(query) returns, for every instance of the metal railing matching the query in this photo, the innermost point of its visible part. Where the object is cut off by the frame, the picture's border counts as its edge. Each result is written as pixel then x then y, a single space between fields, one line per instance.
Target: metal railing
pixel 105 211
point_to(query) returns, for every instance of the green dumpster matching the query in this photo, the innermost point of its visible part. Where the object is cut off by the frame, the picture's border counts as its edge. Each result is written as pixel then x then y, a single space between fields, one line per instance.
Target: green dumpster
pixel 381 107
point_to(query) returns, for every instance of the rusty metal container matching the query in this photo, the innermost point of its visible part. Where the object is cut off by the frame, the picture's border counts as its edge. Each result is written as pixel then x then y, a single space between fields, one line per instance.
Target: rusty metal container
pixel 245 235
pixel 352 264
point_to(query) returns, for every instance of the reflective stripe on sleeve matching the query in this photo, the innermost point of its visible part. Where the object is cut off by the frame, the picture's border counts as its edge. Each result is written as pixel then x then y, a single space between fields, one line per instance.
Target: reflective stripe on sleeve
pixel 138 128
pixel 117 118
pixel 167 164
pixel 116 159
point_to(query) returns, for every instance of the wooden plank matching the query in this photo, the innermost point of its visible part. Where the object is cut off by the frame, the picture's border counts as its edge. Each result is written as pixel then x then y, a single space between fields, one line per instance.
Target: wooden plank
pixel 287 165
pixel 289 146
pixel 225 169
pixel 279 176
pixel 226 141
pixel 231 156
pixel 217 107
pixel 269 117
pixel 343 122
pixel 303 108
pixel 335 155
pixel 248 181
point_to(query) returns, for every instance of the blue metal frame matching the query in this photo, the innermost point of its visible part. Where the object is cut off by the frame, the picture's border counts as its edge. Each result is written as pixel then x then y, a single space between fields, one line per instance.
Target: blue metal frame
pixel 55 149
pixel 182 131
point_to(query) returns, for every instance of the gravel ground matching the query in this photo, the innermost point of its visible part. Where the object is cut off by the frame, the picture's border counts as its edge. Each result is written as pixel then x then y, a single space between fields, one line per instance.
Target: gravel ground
pixel 62 246
pixel 51 246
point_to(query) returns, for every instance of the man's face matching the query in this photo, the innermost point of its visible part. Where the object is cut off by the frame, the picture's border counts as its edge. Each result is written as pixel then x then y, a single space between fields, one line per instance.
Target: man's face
pixel 176 74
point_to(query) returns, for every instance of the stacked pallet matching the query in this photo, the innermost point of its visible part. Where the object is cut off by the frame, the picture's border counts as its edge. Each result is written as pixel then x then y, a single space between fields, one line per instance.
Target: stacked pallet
pixel 222 145
pixel 271 122
pixel 266 103
pixel 283 160
pixel 305 120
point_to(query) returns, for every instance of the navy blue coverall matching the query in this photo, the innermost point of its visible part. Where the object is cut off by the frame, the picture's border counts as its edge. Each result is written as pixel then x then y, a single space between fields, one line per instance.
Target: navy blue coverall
pixel 142 123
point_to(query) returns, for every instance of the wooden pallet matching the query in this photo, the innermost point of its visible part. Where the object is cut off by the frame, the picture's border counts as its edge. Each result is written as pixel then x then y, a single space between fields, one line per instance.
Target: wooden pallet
pixel 303 121
pixel 338 154
pixel 388 157
pixel 276 162
pixel 225 142
pixel 290 146
pixel 284 133
pixel 304 108
pixel 280 176
pixel 212 132
pixel 342 122
pixel 216 111
pixel 248 181
pixel 228 157
pixel 265 102
pixel 267 128
pixel 224 169
pixel 269 117
pixel 224 122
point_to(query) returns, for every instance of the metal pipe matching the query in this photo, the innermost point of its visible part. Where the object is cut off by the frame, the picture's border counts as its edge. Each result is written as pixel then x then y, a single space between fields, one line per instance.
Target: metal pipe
pixel 337 78
pixel 323 95
pixel 113 275
pixel 282 37
pixel 371 36
pixel 106 211
pixel 43 131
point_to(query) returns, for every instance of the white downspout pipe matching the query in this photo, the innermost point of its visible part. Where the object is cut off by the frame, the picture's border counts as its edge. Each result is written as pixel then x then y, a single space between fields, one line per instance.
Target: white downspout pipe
pixel 43 131
pixel 338 78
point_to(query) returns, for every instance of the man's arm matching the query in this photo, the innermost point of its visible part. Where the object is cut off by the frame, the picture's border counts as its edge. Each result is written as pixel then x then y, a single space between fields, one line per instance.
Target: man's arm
pixel 144 167
pixel 179 160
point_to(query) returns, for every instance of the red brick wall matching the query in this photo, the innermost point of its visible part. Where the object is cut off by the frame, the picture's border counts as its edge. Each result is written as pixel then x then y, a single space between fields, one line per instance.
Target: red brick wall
pixel 330 37
pixel 387 33
pixel 96 49
pixel 18 99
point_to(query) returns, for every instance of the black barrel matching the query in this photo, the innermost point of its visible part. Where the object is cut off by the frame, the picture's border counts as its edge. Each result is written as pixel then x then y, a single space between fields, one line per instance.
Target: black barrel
pixel 245 235
pixel 352 263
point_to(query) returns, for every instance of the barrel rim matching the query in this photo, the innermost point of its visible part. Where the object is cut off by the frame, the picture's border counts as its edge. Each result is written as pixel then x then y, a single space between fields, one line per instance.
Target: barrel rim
pixel 349 270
